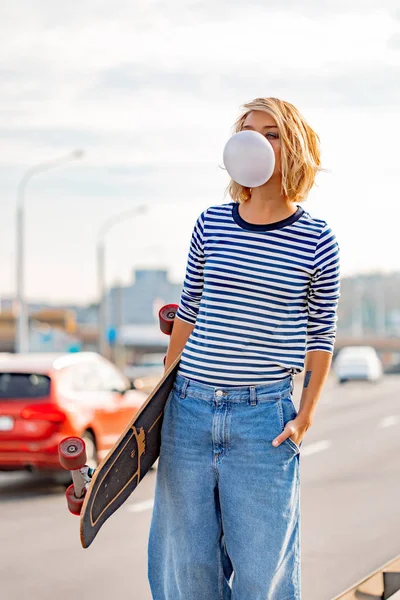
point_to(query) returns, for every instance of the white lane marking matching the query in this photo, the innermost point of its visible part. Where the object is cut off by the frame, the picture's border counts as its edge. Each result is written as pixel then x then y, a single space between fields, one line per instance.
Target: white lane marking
pixel 141 506
pixel 316 447
pixel 388 421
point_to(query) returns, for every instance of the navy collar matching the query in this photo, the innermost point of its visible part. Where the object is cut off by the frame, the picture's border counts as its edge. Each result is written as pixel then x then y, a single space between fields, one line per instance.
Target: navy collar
pixel 267 227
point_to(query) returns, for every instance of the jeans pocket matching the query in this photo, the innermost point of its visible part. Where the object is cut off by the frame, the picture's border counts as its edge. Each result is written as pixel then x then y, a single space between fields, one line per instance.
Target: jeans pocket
pixel 288 412
pixel 293 445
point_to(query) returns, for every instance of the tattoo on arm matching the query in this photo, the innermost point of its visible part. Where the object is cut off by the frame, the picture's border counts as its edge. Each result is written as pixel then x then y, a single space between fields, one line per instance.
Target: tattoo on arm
pixel 307 379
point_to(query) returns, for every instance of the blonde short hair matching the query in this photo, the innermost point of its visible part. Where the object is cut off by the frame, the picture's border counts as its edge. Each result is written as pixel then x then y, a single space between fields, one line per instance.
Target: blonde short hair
pixel 300 152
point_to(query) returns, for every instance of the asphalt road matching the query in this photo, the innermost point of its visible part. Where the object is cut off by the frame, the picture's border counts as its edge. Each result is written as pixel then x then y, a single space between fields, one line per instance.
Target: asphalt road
pixel 350 513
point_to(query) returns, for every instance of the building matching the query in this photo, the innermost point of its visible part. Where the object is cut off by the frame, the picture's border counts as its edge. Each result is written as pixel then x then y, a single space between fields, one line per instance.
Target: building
pixel 370 305
pixel 369 308
pixel 139 302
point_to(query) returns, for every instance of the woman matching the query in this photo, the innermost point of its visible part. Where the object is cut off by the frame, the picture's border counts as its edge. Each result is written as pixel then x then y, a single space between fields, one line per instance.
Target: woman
pixel 258 306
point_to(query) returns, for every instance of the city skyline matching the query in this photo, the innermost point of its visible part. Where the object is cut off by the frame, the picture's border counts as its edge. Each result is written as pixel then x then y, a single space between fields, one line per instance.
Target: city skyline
pixel 38 303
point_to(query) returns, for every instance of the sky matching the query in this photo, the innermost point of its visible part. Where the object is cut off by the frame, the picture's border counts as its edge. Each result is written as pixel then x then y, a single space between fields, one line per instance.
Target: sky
pixel 150 90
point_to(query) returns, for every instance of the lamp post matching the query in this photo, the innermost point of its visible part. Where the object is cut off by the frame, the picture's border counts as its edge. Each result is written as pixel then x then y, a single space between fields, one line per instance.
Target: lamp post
pixel 22 337
pixel 105 228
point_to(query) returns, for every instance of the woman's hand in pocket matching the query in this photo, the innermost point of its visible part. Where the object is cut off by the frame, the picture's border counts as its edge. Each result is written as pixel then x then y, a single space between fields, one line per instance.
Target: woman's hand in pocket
pixel 295 430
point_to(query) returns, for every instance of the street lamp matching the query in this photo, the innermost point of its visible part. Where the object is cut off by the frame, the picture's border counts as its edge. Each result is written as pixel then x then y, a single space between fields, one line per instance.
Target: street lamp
pixel 104 229
pixel 22 338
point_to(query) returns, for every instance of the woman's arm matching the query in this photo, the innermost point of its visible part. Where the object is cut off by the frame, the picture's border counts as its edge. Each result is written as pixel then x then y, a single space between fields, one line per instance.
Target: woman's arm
pixel 317 368
pixel 192 290
pixel 180 335
pixel 316 372
pixel 321 332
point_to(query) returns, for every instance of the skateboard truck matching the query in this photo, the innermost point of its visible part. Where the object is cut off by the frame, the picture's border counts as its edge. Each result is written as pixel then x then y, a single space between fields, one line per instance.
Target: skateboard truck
pixel 72 455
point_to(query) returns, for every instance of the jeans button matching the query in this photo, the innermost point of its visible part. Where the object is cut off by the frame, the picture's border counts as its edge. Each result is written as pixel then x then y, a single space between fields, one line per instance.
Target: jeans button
pixel 219 393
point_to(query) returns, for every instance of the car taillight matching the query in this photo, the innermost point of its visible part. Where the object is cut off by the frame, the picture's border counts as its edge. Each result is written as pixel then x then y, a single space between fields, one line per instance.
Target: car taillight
pixel 43 412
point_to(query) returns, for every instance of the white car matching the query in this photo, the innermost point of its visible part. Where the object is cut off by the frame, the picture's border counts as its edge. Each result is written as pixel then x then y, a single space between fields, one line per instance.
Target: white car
pixel 358 363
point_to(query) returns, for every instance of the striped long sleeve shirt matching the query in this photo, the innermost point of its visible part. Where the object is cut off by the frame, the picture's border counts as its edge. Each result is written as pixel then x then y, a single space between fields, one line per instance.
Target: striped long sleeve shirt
pixel 260 296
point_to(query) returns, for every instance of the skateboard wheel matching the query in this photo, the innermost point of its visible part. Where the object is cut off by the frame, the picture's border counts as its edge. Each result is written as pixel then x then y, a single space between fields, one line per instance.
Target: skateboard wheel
pixel 166 316
pixel 74 504
pixel 72 453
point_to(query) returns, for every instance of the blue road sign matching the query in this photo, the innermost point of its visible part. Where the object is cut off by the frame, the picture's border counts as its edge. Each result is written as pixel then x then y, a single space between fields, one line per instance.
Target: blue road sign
pixel 112 335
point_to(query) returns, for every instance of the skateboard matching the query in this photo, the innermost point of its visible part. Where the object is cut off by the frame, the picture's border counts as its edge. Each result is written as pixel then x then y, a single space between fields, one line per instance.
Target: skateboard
pixel 95 496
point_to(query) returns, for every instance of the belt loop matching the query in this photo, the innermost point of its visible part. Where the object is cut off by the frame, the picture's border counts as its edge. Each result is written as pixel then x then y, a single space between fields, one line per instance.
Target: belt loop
pixel 184 387
pixel 253 396
pixel 291 385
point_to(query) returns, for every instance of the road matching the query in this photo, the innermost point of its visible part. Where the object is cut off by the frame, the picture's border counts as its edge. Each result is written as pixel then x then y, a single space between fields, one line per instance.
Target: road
pixel 350 490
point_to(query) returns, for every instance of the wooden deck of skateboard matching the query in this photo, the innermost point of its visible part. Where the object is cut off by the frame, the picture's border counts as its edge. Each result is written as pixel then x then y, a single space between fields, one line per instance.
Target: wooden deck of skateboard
pixel 127 462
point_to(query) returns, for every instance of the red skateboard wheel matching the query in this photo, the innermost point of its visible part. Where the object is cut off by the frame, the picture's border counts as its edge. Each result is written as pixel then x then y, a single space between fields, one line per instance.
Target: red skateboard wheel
pixel 72 453
pixel 166 316
pixel 74 504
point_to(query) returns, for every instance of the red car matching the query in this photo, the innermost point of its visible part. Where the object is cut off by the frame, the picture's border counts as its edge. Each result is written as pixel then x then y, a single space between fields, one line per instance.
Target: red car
pixel 46 397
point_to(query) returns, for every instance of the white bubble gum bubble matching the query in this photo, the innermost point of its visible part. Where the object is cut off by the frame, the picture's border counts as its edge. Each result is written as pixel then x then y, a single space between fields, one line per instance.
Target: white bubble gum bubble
pixel 249 159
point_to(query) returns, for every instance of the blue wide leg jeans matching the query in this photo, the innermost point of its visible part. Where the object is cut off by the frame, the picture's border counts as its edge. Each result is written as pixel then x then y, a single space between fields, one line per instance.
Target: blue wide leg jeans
pixel 226 518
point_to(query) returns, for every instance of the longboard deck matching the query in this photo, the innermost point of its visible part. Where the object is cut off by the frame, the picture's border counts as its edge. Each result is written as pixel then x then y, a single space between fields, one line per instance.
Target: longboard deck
pixel 127 462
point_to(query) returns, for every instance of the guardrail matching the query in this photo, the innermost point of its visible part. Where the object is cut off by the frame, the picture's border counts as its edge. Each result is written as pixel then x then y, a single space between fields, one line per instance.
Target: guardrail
pixel 382 584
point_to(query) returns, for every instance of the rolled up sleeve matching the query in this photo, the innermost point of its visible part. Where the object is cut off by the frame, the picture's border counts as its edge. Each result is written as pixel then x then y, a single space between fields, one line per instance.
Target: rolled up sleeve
pixel 324 293
pixel 193 284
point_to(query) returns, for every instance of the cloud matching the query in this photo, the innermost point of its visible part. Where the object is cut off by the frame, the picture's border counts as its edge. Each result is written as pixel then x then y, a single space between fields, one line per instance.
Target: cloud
pixel 139 77
pixel 363 87
pixel 150 90
pixel 356 85
pixel 153 13
pixel 68 72
pixel 394 40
